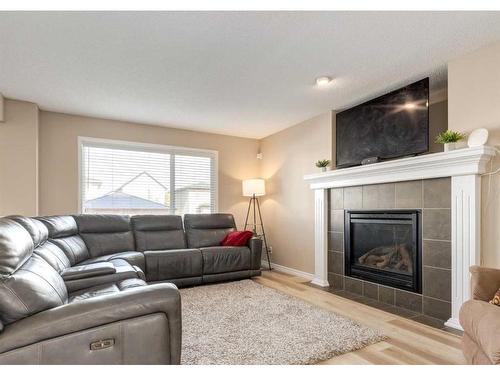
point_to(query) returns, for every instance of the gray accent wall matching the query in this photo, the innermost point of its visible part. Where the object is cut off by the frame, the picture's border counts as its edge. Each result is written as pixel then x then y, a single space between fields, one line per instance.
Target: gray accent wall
pixel 433 197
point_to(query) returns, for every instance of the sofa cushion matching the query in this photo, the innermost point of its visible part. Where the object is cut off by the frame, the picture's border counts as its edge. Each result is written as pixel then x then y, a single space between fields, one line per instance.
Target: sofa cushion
pixel 204 230
pixel 481 321
pixel 73 247
pixel 134 258
pixel 50 252
pixel 108 243
pixel 106 234
pixel 63 232
pixel 16 246
pixel 101 290
pixel 219 259
pixel 32 288
pixel 59 226
pixel 35 228
pixel 158 232
pixel 473 352
pixel 173 264
pixel 102 223
pixel 54 256
pixel 485 282
pixel 156 222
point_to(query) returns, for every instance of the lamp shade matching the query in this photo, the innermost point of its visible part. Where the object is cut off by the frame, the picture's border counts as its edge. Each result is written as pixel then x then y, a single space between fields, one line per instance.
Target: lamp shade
pixel 254 186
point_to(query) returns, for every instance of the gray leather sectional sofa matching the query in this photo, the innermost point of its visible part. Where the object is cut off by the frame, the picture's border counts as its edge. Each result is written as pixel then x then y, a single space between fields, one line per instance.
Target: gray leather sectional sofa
pixel 102 289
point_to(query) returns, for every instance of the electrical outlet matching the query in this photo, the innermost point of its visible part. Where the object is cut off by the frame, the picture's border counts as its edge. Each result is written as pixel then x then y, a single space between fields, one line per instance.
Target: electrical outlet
pixel 270 248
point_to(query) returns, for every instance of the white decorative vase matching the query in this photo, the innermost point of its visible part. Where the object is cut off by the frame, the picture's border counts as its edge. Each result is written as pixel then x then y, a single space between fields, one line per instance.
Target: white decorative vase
pixel 324 169
pixel 449 147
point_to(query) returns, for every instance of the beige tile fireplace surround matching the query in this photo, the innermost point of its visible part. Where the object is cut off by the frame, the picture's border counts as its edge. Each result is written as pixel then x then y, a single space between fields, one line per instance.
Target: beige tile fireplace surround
pixel 461 167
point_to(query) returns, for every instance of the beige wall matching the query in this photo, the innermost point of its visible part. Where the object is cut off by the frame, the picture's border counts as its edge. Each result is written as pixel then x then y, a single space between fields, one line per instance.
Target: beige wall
pixel 474 102
pixel 19 159
pixel 59 157
pixel 288 207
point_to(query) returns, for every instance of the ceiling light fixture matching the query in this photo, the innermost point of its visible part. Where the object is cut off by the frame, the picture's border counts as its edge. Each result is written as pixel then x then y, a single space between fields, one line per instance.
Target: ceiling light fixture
pixel 323 81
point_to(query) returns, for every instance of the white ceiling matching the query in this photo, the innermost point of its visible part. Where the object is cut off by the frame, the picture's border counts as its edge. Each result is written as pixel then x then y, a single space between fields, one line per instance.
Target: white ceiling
pixel 239 73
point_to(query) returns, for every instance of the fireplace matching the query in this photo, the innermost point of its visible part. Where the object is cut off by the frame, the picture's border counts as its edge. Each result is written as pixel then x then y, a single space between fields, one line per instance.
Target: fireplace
pixel 384 247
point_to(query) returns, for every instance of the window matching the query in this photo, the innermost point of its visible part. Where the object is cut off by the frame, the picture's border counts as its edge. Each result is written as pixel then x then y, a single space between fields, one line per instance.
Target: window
pixel 133 178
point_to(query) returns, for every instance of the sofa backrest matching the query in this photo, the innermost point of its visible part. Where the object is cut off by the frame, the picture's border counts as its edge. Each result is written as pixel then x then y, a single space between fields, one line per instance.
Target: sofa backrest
pixel 39 233
pixel 28 284
pixel 106 234
pixel 63 232
pixel 36 229
pixel 204 230
pixel 158 232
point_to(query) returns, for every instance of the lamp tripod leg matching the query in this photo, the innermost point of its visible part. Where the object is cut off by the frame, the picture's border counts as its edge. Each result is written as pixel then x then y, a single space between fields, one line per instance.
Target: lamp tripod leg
pixel 264 235
pixel 248 212
pixel 254 216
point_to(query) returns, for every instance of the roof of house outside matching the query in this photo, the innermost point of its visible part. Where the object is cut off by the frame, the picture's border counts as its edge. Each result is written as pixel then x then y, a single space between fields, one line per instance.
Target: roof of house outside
pixel 118 199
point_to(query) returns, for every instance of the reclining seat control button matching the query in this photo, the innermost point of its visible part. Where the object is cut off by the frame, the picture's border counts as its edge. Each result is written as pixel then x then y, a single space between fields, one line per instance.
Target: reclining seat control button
pixel 102 344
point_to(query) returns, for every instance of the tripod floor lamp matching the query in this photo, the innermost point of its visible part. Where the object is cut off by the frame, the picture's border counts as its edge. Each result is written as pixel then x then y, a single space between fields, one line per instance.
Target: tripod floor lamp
pixel 255 188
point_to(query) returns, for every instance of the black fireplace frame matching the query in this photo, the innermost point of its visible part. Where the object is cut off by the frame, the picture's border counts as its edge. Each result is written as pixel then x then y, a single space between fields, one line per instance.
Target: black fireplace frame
pixel 411 283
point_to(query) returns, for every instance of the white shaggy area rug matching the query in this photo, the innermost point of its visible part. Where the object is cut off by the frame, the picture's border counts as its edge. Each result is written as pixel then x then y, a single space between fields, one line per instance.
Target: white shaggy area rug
pixel 245 323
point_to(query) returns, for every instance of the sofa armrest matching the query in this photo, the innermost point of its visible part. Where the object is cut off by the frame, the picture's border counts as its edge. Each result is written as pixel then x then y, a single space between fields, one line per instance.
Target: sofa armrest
pixel 481 323
pixel 255 245
pixel 120 274
pixel 88 270
pixel 98 311
pixel 485 282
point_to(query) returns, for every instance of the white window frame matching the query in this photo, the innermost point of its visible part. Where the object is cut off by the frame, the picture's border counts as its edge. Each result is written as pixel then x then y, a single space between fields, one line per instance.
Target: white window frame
pixel 147 147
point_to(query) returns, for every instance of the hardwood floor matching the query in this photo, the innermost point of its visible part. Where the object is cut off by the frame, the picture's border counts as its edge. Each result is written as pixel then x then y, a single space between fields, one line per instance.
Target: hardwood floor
pixel 408 342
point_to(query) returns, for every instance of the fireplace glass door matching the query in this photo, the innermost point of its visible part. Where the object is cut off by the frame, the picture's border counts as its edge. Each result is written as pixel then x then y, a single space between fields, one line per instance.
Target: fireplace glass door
pixel 384 247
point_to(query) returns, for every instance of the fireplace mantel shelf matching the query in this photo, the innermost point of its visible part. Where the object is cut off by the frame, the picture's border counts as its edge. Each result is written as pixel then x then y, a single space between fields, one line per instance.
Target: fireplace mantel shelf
pixel 464 166
pixel 466 161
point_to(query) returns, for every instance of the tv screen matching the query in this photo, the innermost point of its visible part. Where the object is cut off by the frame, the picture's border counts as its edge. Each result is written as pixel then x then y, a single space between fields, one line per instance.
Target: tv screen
pixel 393 125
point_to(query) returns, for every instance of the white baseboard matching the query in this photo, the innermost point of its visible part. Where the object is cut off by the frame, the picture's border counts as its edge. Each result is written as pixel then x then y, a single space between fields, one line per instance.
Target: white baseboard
pixel 288 270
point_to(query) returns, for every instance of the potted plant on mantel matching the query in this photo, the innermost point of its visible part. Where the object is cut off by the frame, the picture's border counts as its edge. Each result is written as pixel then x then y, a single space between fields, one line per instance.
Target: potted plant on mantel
pixel 323 164
pixel 449 139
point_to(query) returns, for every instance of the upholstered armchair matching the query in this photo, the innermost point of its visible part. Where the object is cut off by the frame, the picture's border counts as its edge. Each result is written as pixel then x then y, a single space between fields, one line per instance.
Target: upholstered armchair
pixel 481 319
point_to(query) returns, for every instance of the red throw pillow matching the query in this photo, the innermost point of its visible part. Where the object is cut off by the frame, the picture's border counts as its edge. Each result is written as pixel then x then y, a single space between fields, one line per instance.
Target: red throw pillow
pixel 237 238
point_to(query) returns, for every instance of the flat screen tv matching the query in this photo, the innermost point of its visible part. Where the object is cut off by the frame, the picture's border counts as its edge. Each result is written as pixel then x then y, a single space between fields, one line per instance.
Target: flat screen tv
pixel 390 126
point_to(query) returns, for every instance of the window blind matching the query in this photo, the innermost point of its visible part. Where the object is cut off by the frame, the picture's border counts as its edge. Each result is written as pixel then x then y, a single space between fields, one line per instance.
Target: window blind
pixel 132 179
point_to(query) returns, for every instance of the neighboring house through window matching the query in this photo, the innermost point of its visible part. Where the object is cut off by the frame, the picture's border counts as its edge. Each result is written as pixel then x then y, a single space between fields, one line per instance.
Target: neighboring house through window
pixel 135 178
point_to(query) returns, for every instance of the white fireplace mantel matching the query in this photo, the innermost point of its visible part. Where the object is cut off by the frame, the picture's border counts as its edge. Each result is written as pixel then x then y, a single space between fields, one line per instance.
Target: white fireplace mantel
pixel 464 166
pixel 461 162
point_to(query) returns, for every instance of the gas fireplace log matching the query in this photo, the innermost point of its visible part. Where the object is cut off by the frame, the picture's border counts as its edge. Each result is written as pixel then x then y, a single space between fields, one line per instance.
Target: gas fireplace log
pixel 393 257
pixel 405 258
